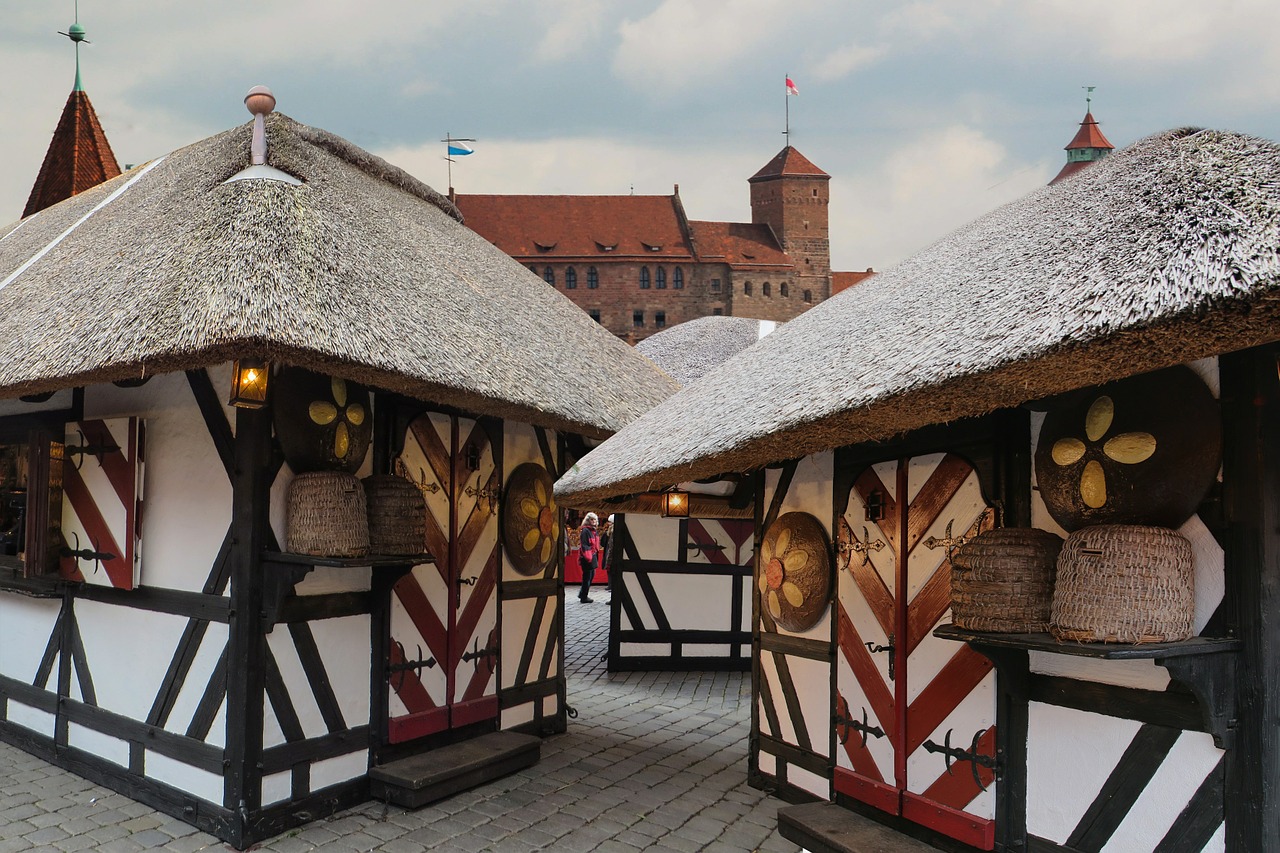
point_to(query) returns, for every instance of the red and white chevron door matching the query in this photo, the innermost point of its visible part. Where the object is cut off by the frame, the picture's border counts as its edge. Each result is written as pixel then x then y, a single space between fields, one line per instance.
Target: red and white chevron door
pixel 441 669
pixel 906 701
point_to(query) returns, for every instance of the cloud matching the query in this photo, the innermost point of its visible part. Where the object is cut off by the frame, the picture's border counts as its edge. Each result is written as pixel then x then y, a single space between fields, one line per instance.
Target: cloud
pixel 884 209
pixel 574 24
pixel 688 40
pixel 844 61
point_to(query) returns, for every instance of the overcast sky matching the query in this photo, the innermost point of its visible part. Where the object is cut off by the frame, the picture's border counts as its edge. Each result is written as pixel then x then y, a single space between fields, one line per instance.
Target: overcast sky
pixel 925 114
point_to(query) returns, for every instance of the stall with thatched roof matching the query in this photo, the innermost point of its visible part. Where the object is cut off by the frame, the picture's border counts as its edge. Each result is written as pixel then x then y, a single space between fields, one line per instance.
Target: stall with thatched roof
pixel 1020 373
pixel 353 561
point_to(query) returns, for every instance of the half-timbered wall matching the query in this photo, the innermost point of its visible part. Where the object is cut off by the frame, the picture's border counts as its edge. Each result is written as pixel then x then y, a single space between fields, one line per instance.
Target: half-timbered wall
pixel 1098 781
pixel 791 717
pixel 682 599
pixel 128 685
pixel 531 669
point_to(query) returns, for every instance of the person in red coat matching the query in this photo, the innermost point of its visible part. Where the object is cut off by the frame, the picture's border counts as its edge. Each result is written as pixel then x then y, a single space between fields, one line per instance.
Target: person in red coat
pixel 588 554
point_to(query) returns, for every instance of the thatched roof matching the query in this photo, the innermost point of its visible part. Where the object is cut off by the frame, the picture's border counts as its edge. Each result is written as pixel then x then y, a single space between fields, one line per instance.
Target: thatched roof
pixel 361 271
pixel 690 349
pixel 1163 253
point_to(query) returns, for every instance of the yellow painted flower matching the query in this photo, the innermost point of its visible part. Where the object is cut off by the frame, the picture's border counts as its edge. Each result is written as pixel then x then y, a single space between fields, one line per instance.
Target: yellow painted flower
pixel 776 564
pixel 324 412
pixel 1128 448
pixel 541 510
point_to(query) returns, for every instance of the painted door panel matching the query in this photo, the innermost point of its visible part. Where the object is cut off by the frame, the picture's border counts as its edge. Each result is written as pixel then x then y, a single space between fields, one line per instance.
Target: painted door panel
pixel 901 693
pixel 102 501
pixel 443 649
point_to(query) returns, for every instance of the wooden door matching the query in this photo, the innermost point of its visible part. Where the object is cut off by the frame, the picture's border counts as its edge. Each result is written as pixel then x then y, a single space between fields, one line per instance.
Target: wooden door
pixel 442 661
pixel 910 706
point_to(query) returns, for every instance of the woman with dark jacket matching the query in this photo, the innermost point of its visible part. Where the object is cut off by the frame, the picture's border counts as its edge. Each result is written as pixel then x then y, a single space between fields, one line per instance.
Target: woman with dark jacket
pixel 588 553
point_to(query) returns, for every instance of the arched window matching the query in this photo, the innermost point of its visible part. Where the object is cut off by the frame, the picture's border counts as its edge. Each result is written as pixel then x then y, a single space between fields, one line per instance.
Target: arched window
pixel 570 279
pixel 644 278
pixel 593 278
pixel 661 277
pixel 784 290
pixel 808 296
pixel 533 269
pixel 766 290
pixel 677 279
pixel 746 288
pixel 550 275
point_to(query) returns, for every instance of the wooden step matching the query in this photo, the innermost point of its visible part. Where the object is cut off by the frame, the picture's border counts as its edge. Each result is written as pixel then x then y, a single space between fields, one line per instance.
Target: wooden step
pixel 420 779
pixel 829 828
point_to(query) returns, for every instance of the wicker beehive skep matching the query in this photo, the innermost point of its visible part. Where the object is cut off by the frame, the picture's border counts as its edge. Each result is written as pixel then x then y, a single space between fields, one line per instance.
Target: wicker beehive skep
pixel 326 516
pixel 397 515
pixel 1120 583
pixel 1002 580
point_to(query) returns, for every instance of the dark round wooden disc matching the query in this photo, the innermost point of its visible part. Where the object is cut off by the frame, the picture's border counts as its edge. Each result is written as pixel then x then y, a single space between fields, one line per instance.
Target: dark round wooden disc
pixel 323 423
pixel 1143 450
pixel 531 521
pixel 793 571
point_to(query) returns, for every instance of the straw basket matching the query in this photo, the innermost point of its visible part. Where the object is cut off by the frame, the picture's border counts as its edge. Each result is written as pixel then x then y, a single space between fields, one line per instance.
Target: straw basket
pixel 1120 583
pixel 397 515
pixel 326 515
pixel 1002 580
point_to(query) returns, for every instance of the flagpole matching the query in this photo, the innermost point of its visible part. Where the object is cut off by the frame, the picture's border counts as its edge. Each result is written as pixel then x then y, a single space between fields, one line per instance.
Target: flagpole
pixel 786 99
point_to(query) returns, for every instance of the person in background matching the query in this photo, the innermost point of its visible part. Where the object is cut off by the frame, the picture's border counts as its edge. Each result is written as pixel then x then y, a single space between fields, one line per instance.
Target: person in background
pixel 606 550
pixel 588 554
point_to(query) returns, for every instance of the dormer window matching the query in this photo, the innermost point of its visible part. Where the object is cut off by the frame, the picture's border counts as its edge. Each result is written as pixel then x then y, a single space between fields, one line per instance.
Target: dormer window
pixel 606 245
pixel 543 246
pixel 652 247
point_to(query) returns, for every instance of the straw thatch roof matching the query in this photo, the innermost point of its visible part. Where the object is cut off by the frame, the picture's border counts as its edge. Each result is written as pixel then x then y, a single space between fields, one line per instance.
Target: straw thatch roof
pixel 361 271
pixel 1163 253
pixel 690 349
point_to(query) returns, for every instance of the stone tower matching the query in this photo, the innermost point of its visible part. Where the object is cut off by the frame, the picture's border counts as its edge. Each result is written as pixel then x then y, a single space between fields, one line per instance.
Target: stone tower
pixel 791 195
pixel 1087 146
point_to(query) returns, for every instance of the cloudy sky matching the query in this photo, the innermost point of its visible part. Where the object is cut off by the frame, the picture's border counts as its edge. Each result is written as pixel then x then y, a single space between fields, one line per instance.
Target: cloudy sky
pixel 926 114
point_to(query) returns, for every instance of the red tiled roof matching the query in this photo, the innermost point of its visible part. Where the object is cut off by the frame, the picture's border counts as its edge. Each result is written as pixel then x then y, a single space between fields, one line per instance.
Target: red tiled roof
pixel 79 157
pixel 1070 169
pixel 845 280
pixel 573 226
pixel 1089 135
pixel 786 162
pixel 738 244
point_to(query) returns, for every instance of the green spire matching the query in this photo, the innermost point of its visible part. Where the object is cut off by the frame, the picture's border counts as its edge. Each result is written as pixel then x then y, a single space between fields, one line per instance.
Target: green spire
pixel 75 32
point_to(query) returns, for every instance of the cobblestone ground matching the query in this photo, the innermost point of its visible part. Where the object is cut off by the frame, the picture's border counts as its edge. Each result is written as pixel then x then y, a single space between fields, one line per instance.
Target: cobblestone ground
pixel 654 762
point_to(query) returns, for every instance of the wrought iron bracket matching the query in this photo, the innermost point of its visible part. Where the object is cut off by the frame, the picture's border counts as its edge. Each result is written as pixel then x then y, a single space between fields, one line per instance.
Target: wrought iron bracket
pixel 414 666
pixel 892 649
pixel 951 754
pixel 844 724
pixel 98 557
pixel 97 451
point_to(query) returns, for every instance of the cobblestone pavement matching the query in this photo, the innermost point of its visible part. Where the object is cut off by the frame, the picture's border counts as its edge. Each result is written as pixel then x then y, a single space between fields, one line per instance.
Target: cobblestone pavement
pixel 654 762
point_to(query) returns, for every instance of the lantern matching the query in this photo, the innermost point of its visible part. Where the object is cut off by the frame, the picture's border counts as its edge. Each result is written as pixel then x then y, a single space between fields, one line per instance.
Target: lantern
pixel 675 504
pixel 249 384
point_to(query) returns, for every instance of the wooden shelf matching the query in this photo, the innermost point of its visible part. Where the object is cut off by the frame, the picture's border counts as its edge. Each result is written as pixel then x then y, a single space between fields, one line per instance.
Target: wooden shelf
pixel 376 561
pixel 1102 651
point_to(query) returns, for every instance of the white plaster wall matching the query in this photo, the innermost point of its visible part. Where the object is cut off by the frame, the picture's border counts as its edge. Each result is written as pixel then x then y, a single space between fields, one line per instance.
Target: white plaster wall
pixel 27 624
pixel 331 771
pixel 655 537
pixel 344 651
pixel 199 783
pixel 697 602
pixel 59 401
pixel 188 494
pixel 95 743
pixel 811 492
pixel 128 652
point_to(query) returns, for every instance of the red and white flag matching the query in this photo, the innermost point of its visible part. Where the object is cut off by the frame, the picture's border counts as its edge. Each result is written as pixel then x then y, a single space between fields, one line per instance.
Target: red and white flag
pixel 791 87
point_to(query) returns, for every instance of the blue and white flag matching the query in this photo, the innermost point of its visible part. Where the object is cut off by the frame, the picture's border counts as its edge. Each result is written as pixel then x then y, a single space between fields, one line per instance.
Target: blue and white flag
pixel 459 149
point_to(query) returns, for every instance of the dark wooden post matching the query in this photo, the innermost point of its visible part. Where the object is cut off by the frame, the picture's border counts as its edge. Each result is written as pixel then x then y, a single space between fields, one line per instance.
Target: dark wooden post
pixel 251 495
pixel 1251 495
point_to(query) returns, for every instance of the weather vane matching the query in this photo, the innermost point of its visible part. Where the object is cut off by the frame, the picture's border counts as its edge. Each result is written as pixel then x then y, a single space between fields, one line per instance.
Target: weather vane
pixel 1088 98
pixel 75 32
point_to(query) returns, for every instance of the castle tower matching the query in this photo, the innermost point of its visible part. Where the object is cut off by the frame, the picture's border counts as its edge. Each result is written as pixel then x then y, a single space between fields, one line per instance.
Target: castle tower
pixel 79 157
pixel 791 195
pixel 1088 146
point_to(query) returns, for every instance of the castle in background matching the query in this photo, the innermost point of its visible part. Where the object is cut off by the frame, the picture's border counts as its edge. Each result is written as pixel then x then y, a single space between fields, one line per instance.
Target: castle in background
pixel 637 264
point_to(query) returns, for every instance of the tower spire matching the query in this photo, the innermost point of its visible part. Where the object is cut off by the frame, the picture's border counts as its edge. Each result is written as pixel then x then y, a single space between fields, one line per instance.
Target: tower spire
pixel 76 33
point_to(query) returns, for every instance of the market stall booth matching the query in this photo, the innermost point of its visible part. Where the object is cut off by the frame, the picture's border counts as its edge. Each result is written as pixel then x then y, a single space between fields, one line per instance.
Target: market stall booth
pixel 1017 557
pixel 277 444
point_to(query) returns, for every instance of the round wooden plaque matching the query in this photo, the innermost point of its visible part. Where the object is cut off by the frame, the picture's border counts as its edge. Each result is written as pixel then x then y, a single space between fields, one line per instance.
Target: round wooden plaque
pixel 793 572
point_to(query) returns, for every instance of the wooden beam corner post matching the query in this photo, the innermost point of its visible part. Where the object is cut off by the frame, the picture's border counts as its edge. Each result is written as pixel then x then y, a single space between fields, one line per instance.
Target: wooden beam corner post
pixel 1251 497
pixel 250 507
